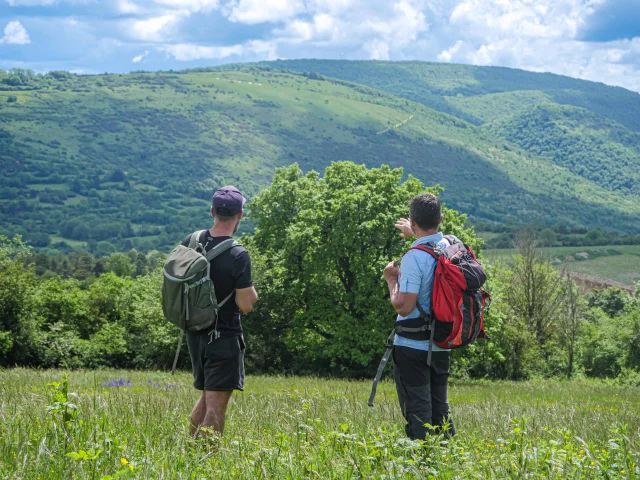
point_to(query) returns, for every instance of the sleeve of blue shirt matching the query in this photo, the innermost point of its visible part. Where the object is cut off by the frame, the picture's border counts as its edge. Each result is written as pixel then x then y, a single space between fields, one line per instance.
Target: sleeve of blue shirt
pixel 410 274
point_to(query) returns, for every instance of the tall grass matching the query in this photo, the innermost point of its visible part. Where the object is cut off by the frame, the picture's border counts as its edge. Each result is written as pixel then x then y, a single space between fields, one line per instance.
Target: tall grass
pixel 308 428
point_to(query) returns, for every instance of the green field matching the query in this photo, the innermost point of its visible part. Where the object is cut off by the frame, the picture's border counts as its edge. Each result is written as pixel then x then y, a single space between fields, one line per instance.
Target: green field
pixel 309 428
pixel 620 263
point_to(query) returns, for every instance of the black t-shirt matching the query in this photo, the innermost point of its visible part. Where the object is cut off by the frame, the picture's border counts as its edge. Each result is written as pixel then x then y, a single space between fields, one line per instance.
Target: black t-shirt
pixel 229 271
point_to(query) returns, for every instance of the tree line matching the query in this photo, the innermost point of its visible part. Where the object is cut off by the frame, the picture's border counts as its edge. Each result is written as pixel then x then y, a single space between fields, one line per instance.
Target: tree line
pixel 318 250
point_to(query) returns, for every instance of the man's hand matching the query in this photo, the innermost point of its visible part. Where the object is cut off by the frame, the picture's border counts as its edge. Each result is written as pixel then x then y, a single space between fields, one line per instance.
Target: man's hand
pixel 391 271
pixel 404 225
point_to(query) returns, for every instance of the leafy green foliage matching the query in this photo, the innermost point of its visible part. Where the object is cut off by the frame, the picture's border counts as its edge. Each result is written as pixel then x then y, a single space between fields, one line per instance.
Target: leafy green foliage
pixel 323 243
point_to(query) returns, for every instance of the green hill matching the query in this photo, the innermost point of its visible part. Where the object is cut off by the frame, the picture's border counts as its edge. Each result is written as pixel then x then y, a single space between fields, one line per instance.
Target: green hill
pixel 114 161
pixel 437 84
pixel 589 128
pixel 586 144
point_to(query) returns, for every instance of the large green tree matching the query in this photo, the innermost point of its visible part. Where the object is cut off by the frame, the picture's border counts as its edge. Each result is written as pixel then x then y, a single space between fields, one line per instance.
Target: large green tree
pixel 320 246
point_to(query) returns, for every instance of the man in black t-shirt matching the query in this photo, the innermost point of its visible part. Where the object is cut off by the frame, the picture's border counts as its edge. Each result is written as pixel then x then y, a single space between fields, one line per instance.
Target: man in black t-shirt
pixel 218 363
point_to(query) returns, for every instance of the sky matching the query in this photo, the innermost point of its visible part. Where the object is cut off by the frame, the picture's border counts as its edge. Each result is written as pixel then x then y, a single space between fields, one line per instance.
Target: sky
pixel 595 40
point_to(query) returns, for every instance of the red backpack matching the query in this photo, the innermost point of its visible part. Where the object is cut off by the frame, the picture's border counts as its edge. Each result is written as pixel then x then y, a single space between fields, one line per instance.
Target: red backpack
pixel 457 296
pixel 457 304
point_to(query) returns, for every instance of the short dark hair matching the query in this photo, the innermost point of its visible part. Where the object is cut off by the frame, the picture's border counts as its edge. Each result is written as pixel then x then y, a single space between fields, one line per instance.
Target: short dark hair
pixel 425 210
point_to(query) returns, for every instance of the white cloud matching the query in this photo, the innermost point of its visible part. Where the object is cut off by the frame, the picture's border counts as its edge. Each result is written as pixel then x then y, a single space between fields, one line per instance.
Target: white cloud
pixel 15 34
pixel 139 58
pixel 190 5
pixel 539 36
pixel 378 30
pixel 261 11
pixel 378 49
pixel 187 52
pixel 446 55
pixel 521 18
pixel 127 7
pixel 153 29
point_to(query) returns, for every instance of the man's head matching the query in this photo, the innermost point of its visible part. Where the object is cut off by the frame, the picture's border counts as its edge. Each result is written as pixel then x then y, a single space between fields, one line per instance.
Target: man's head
pixel 228 205
pixel 425 212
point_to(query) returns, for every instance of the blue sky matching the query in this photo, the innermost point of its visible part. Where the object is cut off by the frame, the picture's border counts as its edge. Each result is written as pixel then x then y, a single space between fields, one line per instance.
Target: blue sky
pixel 590 39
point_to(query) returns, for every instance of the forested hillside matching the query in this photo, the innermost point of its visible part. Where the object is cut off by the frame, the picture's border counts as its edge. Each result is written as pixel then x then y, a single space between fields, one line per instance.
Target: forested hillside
pixel 112 162
pixel 589 128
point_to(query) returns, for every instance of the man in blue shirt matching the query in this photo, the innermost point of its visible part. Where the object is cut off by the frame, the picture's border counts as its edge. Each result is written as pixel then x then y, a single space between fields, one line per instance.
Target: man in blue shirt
pixel 422 388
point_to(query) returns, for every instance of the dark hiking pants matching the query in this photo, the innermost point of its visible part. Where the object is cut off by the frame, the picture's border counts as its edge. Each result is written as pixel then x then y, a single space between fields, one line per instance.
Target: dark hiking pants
pixel 422 390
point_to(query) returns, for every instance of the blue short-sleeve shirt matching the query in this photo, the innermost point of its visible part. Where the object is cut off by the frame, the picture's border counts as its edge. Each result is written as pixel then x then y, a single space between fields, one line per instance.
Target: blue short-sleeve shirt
pixel 416 276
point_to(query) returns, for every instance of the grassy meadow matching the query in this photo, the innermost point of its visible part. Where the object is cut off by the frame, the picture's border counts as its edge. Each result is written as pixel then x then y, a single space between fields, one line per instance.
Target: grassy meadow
pixel 125 424
pixel 620 263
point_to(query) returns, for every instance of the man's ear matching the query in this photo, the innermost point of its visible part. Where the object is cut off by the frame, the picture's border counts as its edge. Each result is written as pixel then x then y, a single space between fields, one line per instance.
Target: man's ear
pixel 240 214
pixel 213 212
pixel 441 218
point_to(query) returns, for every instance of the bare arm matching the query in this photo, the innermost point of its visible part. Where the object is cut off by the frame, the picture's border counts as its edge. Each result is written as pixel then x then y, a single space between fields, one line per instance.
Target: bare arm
pixel 404 303
pixel 246 298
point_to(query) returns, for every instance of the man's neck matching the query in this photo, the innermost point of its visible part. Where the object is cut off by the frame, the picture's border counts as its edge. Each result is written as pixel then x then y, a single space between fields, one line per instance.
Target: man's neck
pixel 223 229
pixel 425 233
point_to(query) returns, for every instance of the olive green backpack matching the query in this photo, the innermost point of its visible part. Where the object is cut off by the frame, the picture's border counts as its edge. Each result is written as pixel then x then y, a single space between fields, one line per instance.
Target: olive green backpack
pixel 188 296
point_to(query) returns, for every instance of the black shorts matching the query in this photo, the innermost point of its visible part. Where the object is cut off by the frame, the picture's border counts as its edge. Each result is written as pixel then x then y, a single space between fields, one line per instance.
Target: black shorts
pixel 218 364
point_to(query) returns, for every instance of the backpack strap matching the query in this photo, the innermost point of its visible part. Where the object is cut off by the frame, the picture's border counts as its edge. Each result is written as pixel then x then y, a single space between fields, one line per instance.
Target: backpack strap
pixel 221 248
pixel 193 241
pixel 425 248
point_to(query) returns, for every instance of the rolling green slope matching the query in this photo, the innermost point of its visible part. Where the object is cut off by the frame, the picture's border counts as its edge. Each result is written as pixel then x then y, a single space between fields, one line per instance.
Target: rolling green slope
pixel 432 84
pixel 589 128
pixel 114 161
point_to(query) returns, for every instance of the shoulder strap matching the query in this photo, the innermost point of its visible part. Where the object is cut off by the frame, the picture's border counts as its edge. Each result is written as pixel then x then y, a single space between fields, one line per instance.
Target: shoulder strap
pixel 221 248
pixel 195 236
pixel 425 248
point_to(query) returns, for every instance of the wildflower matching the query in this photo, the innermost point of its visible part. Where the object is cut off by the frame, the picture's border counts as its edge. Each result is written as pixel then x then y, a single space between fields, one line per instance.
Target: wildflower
pixel 130 467
pixel 124 461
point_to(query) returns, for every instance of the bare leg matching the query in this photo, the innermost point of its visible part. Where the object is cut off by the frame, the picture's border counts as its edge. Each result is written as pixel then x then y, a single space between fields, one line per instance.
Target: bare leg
pixel 216 407
pixel 198 413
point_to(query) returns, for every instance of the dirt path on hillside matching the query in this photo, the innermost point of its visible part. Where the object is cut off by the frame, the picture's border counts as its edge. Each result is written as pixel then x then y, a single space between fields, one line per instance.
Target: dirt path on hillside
pixel 395 126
